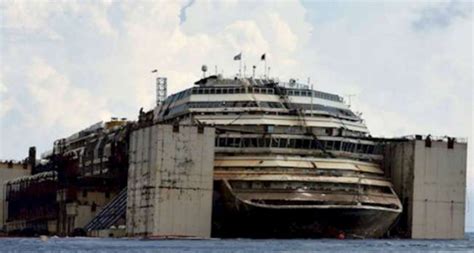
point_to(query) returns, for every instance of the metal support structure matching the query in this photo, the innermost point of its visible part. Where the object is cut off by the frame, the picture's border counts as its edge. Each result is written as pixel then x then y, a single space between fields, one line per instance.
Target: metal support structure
pixel 312 94
pixel 240 68
pixel 110 214
pixel 349 98
pixel 161 90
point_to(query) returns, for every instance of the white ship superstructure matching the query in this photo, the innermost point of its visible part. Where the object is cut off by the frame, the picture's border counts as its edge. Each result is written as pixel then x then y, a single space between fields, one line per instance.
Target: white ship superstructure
pixel 288 159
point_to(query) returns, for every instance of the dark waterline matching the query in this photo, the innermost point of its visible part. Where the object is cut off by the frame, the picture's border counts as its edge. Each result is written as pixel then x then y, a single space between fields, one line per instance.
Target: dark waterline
pixel 111 245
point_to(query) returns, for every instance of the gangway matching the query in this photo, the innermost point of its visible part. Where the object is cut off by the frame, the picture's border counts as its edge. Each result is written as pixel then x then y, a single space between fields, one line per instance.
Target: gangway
pixel 110 214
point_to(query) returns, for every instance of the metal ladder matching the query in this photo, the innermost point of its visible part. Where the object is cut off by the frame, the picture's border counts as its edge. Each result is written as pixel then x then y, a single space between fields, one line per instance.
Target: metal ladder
pixel 110 214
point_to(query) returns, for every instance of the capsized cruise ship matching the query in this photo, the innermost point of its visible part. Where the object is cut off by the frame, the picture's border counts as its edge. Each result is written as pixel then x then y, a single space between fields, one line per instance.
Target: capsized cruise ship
pixel 289 161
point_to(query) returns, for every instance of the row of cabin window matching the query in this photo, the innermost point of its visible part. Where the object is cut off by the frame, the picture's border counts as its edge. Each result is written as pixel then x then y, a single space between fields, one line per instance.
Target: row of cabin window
pixel 319 107
pixel 265 104
pixel 295 143
pixel 268 105
pixel 307 93
pixel 225 90
pixel 249 104
pixel 304 93
pixel 232 90
pixel 320 186
pixel 177 96
pixel 234 104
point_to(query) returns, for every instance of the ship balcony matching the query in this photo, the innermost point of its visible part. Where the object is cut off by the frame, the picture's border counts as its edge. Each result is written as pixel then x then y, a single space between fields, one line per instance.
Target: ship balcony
pixel 305 182
pixel 300 195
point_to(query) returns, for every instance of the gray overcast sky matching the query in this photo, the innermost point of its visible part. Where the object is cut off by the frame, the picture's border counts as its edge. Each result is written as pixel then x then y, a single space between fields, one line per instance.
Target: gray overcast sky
pixel 66 65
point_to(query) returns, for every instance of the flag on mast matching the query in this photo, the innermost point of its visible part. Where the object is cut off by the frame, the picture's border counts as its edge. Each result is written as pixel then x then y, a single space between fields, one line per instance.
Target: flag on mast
pixel 238 57
pixel 264 59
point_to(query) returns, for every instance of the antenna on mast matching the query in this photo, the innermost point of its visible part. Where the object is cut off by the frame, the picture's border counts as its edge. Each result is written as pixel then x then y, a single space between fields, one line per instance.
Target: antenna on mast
pixel 239 58
pixel 349 98
pixel 264 58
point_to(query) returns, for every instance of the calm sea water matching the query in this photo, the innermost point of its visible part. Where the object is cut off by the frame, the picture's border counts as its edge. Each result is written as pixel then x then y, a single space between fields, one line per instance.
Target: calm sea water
pixel 110 245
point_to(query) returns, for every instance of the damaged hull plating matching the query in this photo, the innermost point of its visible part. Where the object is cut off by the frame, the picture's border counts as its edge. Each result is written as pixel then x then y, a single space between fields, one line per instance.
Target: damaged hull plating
pixel 263 221
pixel 234 217
pixel 290 196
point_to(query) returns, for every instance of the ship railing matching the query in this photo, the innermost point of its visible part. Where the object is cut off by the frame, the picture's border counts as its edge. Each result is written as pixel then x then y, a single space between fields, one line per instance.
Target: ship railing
pixel 295 91
pixel 11 163
pixel 3 161
pixel 434 138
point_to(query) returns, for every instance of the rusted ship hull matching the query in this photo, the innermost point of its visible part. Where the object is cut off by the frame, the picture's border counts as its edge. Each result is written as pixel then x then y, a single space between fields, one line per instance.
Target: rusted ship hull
pixel 236 218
